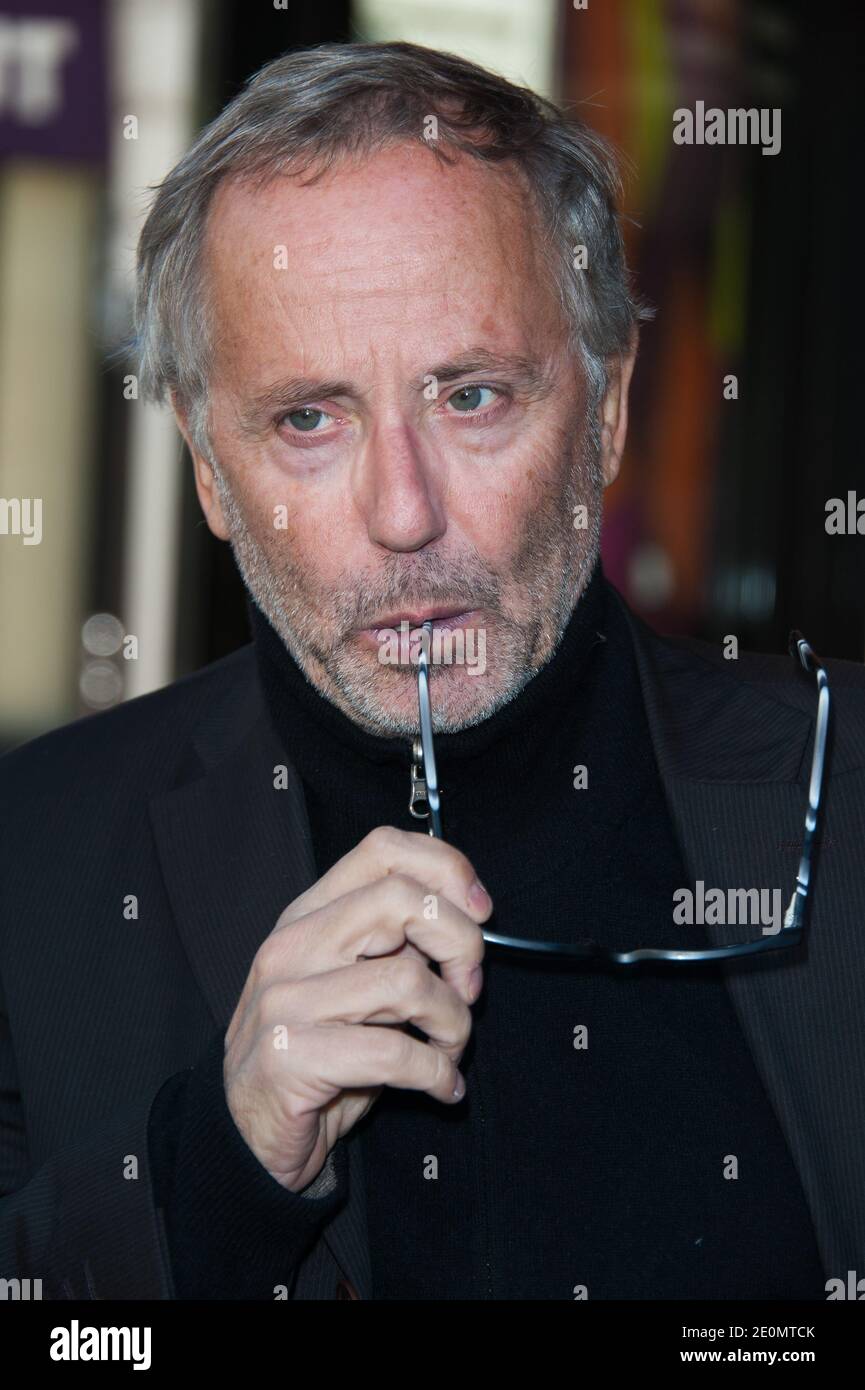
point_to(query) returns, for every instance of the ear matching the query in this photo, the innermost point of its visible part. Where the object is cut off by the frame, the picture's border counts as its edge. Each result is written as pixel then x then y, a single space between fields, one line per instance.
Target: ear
pixel 205 482
pixel 614 409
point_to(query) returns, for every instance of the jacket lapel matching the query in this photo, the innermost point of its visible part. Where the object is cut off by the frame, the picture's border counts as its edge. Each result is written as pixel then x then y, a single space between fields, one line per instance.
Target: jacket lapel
pixel 734 761
pixel 235 850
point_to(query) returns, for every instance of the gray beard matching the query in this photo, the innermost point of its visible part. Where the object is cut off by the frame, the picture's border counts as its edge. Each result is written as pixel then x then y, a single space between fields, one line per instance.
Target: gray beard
pixel 557 566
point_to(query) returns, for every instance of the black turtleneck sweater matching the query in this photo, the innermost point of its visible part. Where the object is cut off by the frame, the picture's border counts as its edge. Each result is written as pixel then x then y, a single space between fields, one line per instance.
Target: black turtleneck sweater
pixel 597 1167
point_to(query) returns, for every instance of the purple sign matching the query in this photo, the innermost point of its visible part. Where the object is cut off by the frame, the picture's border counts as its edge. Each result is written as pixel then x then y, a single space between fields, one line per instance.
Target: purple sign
pixel 53 79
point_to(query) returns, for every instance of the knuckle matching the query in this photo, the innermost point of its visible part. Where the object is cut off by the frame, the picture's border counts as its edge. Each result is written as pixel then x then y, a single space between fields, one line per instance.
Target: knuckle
pixel 404 1052
pixel 412 978
pixel 289 913
pixel 391 1049
pixel 392 977
pixel 384 974
pixel 270 1059
pixel 276 1002
pixel 267 958
pixel 381 839
pixel 404 895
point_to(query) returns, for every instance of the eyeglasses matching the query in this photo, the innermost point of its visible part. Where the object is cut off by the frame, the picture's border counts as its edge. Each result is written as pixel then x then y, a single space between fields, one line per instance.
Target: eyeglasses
pixel 792 930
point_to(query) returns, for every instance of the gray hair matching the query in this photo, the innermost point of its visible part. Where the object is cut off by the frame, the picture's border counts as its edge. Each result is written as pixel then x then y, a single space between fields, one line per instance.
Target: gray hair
pixel 308 109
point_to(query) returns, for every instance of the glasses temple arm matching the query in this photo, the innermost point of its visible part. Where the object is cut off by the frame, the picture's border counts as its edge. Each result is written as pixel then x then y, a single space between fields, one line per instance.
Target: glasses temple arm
pixel 795 913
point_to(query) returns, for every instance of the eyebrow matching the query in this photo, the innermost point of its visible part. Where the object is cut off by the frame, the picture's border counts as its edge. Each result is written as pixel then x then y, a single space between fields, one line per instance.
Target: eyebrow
pixel 287 394
pixel 294 391
pixel 523 370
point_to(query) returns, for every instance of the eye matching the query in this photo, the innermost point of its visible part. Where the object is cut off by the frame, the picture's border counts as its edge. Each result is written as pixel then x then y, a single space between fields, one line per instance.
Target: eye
pixel 305 419
pixel 470 398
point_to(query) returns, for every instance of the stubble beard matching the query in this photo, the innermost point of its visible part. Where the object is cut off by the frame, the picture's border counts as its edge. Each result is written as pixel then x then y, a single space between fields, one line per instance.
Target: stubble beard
pixel 552 567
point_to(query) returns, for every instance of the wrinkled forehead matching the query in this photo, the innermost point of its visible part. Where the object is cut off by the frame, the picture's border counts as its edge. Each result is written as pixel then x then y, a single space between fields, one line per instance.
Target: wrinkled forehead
pixel 375 246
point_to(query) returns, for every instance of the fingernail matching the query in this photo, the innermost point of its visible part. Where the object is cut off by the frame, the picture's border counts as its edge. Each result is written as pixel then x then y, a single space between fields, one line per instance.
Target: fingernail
pixel 476 983
pixel 460 1088
pixel 479 898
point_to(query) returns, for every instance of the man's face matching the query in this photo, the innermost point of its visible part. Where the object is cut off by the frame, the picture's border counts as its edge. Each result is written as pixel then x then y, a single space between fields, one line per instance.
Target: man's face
pixel 399 431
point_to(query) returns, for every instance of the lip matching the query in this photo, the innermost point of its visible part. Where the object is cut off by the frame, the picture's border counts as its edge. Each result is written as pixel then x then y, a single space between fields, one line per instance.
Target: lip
pixel 441 616
pixel 416 617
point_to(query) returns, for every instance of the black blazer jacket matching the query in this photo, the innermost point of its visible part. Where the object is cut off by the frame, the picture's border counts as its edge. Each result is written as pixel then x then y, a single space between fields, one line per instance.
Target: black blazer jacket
pixel 152 808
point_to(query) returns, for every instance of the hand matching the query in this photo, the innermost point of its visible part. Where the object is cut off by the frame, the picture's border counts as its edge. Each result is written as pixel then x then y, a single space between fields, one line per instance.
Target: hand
pixel 302 1063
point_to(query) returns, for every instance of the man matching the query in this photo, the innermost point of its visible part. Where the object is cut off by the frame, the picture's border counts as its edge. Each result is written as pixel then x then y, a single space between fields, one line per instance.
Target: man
pixel 284 1071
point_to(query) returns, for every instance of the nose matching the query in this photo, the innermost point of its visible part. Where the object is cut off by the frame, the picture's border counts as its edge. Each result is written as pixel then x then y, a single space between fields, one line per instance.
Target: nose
pixel 399 492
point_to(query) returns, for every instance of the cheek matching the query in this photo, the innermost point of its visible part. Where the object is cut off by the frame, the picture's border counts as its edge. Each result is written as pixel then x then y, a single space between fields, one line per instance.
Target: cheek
pixel 302 540
pixel 272 519
pixel 508 511
pixel 495 529
pixel 526 516
pixel 281 512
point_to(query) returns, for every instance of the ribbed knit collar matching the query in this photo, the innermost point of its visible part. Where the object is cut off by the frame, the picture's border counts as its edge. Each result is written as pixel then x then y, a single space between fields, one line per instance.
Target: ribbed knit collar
pixel 302 715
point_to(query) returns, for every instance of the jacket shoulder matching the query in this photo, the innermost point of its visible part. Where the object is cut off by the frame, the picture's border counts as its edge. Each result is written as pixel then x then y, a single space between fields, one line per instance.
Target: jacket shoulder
pixel 771 668
pixel 139 739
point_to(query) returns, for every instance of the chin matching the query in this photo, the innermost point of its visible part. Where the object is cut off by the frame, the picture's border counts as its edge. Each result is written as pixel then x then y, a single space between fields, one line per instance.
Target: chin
pixel 388 705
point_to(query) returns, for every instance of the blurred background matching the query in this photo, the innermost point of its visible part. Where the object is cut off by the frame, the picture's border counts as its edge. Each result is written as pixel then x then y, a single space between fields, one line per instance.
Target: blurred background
pixel 745 406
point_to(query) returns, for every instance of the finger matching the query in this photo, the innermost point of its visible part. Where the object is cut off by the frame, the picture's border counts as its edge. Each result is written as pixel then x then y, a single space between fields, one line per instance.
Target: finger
pixel 445 870
pixel 372 921
pixel 332 1060
pixel 390 990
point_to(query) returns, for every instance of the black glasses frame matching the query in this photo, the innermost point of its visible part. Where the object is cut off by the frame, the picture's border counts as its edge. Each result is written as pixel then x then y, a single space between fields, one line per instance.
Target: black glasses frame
pixel 793 929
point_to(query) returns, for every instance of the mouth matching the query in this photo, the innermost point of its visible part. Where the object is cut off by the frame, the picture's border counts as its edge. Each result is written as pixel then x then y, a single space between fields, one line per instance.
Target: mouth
pixel 441 616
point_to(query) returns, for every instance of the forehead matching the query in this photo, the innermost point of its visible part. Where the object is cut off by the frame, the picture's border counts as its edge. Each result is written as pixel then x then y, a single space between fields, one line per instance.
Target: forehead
pixel 396 244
